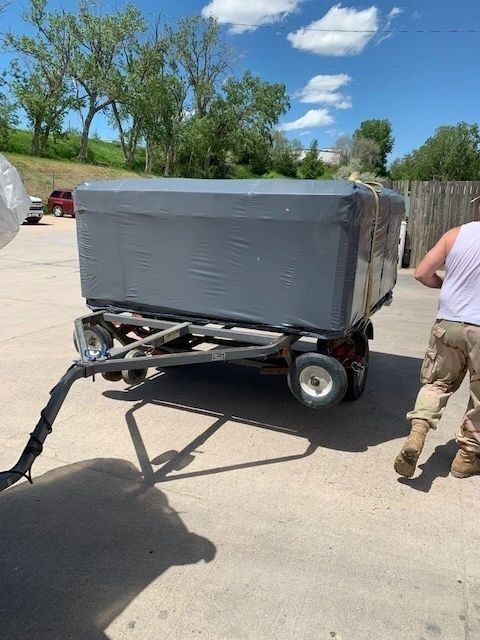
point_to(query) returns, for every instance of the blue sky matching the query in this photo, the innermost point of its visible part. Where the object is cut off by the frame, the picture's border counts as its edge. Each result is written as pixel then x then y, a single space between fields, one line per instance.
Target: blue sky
pixel 337 78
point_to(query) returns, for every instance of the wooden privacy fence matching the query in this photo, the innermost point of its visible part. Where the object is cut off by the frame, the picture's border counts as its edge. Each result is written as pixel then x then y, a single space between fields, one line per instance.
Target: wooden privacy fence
pixel 433 208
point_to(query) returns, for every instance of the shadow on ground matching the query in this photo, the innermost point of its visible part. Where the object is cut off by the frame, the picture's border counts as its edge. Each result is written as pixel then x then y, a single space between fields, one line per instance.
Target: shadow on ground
pixel 80 545
pixel 437 466
pixel 241 394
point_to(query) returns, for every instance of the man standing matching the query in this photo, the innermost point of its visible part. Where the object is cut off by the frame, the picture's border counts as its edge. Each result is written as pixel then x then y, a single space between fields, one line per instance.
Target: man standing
pixel 454 350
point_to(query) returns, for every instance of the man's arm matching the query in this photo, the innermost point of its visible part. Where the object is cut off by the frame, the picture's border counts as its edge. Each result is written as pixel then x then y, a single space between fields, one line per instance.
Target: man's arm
pixel 426 272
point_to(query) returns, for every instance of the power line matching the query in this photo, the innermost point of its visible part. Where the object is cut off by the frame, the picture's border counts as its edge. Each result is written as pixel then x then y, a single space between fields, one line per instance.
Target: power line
pixel 373 31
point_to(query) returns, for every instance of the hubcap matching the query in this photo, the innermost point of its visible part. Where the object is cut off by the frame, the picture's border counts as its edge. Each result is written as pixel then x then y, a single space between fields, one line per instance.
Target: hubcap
pixel 316 381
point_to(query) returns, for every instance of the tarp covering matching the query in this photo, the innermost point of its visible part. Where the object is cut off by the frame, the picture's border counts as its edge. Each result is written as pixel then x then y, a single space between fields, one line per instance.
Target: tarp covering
pixel 279 253
pixel 14 202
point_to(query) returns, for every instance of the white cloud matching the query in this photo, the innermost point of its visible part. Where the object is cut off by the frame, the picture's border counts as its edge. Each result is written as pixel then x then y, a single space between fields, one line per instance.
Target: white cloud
pixel 384 33
pixel 333 133
pixel 313 118
pixel 396 11
pixel 324 90
pixel 342 31
pixel 246 15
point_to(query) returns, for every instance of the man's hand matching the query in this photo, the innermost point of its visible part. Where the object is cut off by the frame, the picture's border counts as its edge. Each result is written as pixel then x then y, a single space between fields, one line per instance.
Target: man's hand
pixel 426 272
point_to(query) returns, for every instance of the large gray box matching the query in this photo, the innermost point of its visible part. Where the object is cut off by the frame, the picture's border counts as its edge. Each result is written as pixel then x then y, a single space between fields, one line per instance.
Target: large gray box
pixel 287 254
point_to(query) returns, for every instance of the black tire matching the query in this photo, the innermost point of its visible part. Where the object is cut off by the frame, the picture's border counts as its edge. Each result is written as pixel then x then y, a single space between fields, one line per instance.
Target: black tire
pixel 33 220
pixel 317 380
pixel 357 376
pixel 134 376
pixel 112 376
pixel 57 211
pixel 97 338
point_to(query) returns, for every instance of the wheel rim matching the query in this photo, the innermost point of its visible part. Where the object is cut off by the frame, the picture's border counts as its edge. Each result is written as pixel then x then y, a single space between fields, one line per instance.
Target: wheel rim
pixel 57 211
pixel 316 382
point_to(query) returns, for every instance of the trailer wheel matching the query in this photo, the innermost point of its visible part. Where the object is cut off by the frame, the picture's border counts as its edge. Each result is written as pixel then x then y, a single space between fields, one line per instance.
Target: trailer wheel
pixel 134 376
pixel 112 376
pixel 97 339
pixel 357 374
pixel 317 380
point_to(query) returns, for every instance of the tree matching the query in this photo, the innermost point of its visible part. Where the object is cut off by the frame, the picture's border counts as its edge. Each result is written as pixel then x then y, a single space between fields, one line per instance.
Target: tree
pixel 285 154
pixel 312 166
pixel 361 155
pixel 8 119
pixel 248 112
pixel 380 131
pixel 202 58
pixel 7 109
pixel 96 66
pixel 452 153
pixel 40 79
pixel 239 122
pixel 366 154
pixel 144 98
pixel 344 146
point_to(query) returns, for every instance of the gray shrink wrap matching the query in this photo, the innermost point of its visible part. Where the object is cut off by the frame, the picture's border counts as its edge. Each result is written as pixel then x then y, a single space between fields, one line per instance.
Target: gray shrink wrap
pixel 283 254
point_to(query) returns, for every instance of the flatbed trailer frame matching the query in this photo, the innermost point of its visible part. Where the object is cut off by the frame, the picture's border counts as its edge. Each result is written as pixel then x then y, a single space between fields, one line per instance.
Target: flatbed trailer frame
pixel 321 377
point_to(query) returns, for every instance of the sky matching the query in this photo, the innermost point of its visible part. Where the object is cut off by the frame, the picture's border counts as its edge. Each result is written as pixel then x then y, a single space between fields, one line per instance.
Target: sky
pixel 339 61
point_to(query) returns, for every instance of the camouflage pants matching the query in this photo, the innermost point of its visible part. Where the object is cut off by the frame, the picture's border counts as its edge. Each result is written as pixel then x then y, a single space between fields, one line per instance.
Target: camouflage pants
pixel 453 351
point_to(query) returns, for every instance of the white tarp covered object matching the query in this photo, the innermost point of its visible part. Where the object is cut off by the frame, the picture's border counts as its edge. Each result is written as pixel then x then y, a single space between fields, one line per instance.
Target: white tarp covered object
pixel 14 202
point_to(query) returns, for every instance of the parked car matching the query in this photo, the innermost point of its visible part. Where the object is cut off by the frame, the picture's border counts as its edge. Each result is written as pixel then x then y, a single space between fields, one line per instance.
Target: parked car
pixel 61 202
pixel 35 213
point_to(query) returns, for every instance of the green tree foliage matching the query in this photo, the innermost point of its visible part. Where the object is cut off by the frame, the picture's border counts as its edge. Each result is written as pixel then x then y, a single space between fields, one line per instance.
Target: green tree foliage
pixel 202 58
pixel 237 126
pixel 99 40
pixel 452 153
pixel 285 154
pixel 40 80
pixel 245 114
pixel 312 166
pixel 358 155
pixel 171 90
pixel 7 110
pixel 380 131
pixel 8 117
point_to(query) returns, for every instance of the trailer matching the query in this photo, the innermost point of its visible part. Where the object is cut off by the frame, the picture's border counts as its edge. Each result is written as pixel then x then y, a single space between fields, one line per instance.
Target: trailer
pixel 138 323
pixel 320 372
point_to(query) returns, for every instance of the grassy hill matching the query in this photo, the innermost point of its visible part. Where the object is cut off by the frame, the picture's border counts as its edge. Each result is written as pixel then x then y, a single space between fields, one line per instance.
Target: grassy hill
pixel 68 146
pixel 42 175
pixel 60 169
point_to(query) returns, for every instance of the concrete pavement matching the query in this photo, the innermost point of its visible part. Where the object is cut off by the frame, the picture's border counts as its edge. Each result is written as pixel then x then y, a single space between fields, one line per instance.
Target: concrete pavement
pixel 207 503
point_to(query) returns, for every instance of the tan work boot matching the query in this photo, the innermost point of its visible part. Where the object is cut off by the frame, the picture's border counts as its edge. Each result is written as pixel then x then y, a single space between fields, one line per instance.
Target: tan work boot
pixel 465 464
pixel 406 461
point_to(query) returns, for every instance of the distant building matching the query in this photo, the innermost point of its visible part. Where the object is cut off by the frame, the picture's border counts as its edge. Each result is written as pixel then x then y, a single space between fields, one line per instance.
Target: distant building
pixel 329 156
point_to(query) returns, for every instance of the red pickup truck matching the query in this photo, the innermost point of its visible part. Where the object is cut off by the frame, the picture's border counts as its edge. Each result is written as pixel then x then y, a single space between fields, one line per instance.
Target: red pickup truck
pixel 61 202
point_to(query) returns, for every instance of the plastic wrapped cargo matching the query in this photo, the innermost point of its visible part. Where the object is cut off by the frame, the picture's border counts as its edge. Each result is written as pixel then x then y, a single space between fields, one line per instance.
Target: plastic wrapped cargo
pixel 14 202
pixel 284 254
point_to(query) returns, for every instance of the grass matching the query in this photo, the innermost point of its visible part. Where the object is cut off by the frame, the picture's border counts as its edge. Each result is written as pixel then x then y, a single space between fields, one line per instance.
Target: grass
pixel 68 145
pixel 41 175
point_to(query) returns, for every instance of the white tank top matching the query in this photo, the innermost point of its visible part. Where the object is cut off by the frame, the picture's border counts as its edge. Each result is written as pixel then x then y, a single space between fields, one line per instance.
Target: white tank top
pixel 460 293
